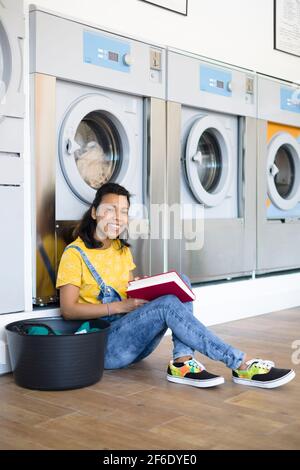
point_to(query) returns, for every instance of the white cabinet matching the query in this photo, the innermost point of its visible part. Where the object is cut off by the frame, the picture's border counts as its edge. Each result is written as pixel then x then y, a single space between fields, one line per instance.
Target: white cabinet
pixel 11 249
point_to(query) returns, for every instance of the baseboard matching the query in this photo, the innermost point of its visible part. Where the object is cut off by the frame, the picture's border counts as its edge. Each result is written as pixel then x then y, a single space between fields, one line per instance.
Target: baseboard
pixel 229 301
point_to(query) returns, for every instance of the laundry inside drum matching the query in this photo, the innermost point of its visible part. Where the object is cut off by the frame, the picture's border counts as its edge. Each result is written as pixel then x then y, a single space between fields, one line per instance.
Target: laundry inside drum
pixel 99 153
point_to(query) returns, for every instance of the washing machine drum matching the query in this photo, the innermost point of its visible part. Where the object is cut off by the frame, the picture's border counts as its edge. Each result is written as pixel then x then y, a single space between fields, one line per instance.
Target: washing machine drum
pixel 283 171
pixel 208 165
pixel 94 145
pixel 5 62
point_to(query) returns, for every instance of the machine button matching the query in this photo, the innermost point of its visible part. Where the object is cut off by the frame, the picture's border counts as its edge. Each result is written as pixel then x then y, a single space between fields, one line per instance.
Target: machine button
pixel 127 59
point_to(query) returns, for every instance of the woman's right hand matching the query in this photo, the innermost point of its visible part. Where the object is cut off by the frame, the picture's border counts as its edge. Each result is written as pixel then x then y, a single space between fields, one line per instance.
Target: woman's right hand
pixel 127 305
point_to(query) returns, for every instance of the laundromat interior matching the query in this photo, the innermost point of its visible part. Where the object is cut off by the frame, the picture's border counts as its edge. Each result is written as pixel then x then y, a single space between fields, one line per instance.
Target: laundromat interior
pixel 193 107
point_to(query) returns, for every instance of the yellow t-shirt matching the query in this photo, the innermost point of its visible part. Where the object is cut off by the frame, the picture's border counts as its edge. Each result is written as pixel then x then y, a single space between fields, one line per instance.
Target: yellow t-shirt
pixel 113 265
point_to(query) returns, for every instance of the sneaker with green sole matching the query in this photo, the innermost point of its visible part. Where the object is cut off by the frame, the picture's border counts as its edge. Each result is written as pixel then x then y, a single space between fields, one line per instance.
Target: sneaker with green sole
pixel 263 374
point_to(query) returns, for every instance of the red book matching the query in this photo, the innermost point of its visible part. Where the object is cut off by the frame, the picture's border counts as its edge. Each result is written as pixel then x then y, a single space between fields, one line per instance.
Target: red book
pixel 151 287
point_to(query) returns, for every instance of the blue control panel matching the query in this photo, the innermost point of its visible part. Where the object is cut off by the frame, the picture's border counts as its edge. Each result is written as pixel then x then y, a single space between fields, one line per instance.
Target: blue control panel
pixel 290 99
pixel 105 52
pixel 215 81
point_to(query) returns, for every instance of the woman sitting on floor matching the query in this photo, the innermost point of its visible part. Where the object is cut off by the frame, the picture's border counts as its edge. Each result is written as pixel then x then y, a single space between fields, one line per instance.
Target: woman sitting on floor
pixel 100 258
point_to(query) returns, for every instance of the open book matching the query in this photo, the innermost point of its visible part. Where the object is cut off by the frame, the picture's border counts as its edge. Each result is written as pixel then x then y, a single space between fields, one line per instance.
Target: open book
pixel 151 287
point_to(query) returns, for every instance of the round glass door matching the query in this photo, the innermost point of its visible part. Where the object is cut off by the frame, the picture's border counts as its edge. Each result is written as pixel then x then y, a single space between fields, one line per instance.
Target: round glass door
pixel 94 145
pixel 99 153
pixel 5 62
pixel 1 58
pixel 285 178
pixel 208 166
pixel 284 171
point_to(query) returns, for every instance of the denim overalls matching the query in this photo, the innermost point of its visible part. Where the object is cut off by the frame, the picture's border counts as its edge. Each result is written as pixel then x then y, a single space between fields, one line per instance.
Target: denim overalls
pixel 107 294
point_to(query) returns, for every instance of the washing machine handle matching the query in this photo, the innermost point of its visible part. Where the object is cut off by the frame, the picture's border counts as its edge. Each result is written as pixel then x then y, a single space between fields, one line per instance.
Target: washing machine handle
pixel 197 157
pixel 72 146
pixel 274 170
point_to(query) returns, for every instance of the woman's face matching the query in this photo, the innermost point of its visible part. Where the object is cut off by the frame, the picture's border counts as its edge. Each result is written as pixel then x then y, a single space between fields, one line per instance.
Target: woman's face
pixel 111 216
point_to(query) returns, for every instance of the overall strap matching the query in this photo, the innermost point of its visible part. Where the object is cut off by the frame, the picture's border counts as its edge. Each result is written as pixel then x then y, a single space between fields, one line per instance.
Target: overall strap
pixel 89 265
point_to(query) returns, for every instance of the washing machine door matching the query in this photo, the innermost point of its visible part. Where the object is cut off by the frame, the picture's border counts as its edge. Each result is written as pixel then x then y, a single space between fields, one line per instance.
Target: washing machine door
pixel 11 58
pixel 283 171
pixel 5 62
pixel 94 145
pixel 207 160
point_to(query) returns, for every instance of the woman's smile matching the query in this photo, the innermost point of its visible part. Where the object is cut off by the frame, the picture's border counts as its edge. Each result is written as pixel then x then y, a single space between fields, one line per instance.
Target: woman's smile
pixel 113 228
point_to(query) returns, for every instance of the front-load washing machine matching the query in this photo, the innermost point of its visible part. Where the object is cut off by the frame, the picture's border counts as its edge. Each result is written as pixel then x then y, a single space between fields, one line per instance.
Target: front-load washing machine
pixel 12 110
pixel 211 165
pixel 12 27
pixel 99 113
pixel 278 175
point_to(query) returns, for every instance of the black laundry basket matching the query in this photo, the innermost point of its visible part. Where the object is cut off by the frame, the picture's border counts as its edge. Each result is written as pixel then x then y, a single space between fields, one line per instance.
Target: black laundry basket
pixel 57 362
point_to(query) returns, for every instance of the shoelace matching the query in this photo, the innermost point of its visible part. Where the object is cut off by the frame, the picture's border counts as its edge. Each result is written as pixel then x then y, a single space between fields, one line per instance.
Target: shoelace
pixel 193 362
pixel 261 363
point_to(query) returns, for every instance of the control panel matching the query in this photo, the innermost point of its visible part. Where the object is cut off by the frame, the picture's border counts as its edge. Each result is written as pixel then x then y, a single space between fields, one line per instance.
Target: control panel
pixel 290 99
pixel 104 51
pixel 215 81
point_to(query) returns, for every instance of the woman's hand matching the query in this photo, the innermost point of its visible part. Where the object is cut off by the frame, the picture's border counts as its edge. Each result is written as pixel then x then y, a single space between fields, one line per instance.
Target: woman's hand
pixel 127 305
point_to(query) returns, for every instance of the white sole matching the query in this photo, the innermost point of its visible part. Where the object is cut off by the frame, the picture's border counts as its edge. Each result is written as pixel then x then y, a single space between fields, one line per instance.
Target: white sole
pixel 196 383
pixel 271 384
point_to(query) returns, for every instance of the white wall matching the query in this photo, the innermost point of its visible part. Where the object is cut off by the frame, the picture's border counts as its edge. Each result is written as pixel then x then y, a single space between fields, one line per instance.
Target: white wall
pixel 235 31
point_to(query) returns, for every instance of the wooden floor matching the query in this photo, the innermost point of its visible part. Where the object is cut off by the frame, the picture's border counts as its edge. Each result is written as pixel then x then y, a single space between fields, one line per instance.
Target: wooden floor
pixel 136 408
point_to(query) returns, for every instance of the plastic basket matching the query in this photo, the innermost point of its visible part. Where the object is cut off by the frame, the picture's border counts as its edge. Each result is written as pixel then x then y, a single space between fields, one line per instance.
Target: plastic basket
pixel 57 362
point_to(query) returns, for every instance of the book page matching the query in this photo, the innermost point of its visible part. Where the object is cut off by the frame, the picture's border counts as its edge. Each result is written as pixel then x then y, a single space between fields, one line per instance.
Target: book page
pixel 160 279
pixel 153 280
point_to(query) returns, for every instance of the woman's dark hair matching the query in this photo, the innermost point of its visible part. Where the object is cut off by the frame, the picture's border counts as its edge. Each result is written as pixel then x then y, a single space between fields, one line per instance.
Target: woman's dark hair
pixel 87 226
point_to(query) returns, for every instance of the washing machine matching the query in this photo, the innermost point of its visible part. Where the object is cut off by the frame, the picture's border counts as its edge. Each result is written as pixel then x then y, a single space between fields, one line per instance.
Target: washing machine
pixel 12 29
pixel 98 101
pixel 211 167
pixel 278 175
pixel 11 156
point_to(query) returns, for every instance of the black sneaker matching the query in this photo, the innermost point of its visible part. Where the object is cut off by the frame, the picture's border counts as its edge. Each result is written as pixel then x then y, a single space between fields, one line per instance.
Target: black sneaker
pixel 193 373
pixel 262 374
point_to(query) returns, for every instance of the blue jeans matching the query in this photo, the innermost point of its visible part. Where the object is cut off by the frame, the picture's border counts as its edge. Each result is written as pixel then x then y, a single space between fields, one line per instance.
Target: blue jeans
pixel 133 336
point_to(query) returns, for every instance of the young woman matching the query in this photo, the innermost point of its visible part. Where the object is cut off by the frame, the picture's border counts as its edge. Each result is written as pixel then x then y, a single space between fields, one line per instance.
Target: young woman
pixel 93 277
